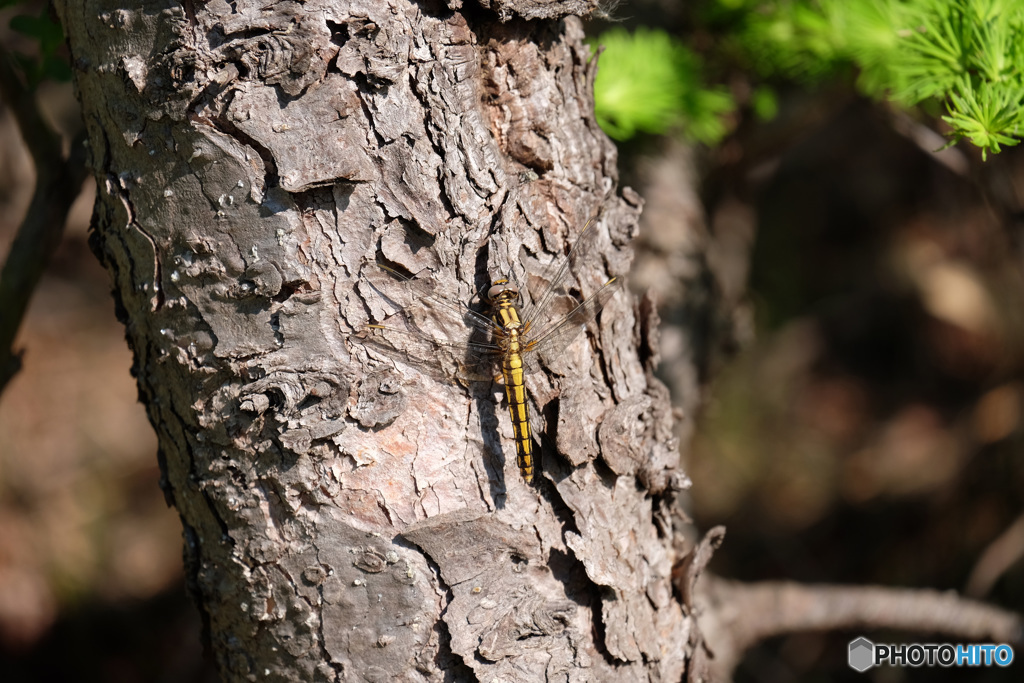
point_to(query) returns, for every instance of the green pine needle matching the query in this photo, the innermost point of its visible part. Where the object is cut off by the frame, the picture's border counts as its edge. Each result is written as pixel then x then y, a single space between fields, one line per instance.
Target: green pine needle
pixel 968 54
pixel 649 82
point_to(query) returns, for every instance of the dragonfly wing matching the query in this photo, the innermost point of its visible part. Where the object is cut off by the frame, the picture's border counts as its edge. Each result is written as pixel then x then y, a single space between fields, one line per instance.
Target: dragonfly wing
pixel 556 285
pixel 421 331
pixel 414 298
pixel 561 333
pixel 444 360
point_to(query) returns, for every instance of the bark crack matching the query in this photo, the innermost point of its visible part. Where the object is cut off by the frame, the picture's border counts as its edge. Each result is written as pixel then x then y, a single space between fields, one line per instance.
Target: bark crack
pixel 221 123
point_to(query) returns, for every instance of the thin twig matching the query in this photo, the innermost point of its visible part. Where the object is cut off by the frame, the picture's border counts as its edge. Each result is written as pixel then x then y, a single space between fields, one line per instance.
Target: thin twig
pixel 737 615
pixel 999 556
pixel 58 182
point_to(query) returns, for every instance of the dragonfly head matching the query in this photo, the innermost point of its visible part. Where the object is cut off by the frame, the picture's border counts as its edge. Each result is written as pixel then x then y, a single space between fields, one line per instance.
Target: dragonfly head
pixel 502 291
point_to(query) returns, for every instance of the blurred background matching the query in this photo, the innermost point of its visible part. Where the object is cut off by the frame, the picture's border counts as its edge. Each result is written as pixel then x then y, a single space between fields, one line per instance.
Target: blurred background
pixel 842 294
pixel 843 332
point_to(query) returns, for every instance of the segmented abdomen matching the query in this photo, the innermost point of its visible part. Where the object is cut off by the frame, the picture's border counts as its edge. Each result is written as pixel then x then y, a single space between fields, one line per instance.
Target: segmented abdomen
pixel 519 410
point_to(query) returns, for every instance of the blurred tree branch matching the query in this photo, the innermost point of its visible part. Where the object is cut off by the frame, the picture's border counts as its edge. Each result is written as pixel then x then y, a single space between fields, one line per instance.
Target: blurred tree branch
pixel 1004 552
pixel 738 615
pixel 58 181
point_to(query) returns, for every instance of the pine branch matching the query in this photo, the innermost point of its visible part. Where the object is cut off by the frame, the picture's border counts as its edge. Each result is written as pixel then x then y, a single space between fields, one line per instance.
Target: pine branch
pixel 737 615
pixel 58 182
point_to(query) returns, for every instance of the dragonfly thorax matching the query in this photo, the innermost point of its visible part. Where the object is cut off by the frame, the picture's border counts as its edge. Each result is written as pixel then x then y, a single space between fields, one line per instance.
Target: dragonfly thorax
pixel 506 316
pixel 504 298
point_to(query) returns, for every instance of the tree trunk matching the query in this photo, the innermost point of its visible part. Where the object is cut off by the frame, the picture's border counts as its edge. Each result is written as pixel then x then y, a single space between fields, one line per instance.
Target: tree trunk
pixel 347 517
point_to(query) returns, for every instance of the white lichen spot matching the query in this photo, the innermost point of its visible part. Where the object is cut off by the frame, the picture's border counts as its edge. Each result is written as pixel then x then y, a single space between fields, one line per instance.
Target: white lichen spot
pixel 175 276
pixel 357 582
pixel 255 253
pixel 241 183
pixel 168 192
pixel 280 127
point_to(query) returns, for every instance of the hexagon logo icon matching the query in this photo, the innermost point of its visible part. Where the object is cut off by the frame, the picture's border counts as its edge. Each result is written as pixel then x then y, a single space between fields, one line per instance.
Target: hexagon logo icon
pixel 862 654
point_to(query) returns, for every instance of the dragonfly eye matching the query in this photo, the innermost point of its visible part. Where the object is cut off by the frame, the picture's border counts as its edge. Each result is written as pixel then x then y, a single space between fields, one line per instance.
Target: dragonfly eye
pixel 502 291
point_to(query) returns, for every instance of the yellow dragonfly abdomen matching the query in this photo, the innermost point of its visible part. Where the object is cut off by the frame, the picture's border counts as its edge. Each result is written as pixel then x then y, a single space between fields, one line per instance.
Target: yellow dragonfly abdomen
pixel 506 317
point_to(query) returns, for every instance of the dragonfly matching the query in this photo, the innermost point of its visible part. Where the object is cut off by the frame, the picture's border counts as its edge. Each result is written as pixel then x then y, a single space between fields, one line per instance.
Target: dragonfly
pixel 507 340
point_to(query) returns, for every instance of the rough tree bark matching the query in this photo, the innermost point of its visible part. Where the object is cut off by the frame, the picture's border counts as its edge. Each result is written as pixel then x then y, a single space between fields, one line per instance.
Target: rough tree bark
pixel 346 517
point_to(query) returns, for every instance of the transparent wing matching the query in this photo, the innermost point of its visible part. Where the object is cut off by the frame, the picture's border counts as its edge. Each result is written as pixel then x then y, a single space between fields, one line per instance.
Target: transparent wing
pixel 563 331
pixel 414 297
pixel 557 283
pixel 445 360
pixel 439 337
